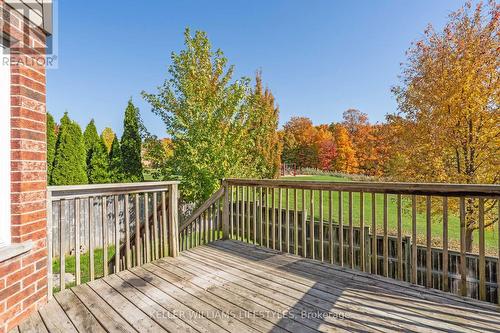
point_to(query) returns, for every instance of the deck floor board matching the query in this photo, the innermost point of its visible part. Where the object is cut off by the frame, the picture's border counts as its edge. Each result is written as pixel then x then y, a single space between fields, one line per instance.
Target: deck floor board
pixel 230 286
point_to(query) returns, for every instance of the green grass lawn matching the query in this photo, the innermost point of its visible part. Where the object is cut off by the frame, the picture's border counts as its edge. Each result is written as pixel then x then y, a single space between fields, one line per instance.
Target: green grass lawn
pixel 436 226
pixel 70 265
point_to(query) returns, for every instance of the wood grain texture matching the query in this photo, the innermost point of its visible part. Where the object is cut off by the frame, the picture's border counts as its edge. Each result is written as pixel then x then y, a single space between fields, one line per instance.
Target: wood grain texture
pixel 184 293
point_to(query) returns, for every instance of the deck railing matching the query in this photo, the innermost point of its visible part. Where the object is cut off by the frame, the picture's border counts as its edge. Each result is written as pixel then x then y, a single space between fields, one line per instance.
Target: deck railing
pixel 205 224
pixel 95 230
pixel 410 232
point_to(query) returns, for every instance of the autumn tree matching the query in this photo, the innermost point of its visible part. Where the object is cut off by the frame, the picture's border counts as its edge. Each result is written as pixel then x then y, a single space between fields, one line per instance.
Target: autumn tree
pixel 205 112
pixel 364 140
pixel 448 102
pixel 108 136
pixel 345 158
pixel 327 151
pixel 264 141
pixel 299 143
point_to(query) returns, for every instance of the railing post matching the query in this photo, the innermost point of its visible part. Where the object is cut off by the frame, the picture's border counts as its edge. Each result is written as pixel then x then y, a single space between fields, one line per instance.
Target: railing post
pixel 225 212
pixel 173 219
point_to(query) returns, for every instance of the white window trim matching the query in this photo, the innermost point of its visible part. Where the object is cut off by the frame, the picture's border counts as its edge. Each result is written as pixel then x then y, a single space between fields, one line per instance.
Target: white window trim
pixel 5 151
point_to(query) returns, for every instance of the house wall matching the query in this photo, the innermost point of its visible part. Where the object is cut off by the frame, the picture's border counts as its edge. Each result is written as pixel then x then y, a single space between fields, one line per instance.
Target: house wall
pixel 23 278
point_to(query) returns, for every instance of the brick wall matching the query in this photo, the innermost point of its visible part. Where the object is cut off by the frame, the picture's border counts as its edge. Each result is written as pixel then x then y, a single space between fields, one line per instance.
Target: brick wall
pixel 23 279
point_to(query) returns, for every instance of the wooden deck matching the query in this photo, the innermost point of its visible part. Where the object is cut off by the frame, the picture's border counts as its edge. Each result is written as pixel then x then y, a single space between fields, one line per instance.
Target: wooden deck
pixel 229 286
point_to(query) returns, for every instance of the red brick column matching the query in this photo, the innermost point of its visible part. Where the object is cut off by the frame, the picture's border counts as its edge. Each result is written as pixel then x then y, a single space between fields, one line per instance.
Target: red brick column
pixel 23 278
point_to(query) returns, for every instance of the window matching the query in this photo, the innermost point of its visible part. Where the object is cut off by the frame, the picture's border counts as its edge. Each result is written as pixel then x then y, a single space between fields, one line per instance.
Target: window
pixel 4 147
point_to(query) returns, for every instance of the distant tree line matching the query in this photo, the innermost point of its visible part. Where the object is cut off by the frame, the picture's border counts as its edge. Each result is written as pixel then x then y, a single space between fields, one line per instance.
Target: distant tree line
pixel 74 157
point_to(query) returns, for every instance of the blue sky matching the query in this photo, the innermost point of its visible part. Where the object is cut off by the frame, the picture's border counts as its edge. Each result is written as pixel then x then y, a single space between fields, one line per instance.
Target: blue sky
pixel 319 58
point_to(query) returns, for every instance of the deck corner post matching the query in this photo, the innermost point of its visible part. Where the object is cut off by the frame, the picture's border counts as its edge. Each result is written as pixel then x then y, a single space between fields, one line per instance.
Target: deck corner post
pixel 173 232
pixel 225 212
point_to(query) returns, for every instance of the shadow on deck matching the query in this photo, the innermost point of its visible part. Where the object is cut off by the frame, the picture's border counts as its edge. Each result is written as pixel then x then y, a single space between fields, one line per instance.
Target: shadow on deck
pixel 237 287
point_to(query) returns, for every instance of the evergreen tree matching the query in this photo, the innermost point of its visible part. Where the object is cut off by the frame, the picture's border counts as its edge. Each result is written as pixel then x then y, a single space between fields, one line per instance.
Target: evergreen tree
pixel 115 162
pixel 96 157
pixel 131 145
pixel 51 146
pixel 90 138
pixel 69 162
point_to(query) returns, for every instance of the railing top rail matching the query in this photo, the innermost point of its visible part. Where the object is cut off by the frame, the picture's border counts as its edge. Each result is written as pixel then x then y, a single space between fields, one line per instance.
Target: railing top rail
pixel 441 189
pixel 65 191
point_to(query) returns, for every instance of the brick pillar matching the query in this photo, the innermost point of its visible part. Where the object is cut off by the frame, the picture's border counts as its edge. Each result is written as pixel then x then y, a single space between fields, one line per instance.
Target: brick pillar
pixel 23 278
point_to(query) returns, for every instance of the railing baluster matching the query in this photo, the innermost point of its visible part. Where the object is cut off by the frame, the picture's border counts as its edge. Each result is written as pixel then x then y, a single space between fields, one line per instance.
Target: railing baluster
pixel 341 228
pixel 362 231
pixel 231 211
pixel 399 245
pixel 91 238
pixel 255 215
pixel 146 227
pixel 482 260
pixel 273 199
pixel 280 219
pixel 386 240
pixel 374 235
pixel 295 224
pixel 311 226
pixel 78 275
pixel 117 234
pixel 414 268
pixel 104 221
pixel 126 209
pixel 320 234
pixel 249 239
pixel 261 218
pixel 304 217
pixel 164 222
pixel 243 206
pixel 62 239
pixel 330 226
pixel 351 233
pixel 137 231
pixel 463 263
pixel 237 224
pixel 428 259
pixel 155 225
pixel 445 244
pixel 287 220
pixel 267 216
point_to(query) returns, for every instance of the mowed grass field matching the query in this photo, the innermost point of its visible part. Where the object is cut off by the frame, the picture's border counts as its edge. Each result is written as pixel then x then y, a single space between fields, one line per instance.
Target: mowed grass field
pixel 491 234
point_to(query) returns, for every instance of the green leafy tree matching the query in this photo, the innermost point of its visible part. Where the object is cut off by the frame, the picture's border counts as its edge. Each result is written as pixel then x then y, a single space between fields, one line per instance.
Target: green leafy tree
pixel 206 116
pixel 96 157
pixel 69 162
pixel 51 146
pixel 155 156
pixel 108 136
pixel 116 162
pixel 131 144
